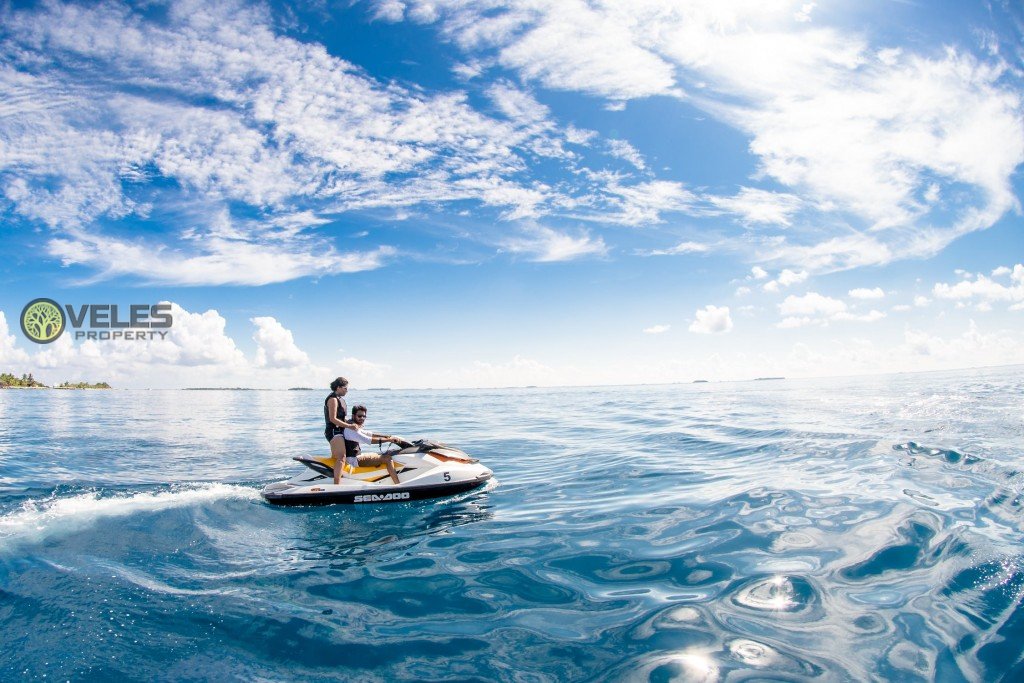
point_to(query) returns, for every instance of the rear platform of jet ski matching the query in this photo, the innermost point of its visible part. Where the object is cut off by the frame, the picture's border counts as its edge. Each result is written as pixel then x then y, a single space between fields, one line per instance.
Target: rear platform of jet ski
pixel 426 469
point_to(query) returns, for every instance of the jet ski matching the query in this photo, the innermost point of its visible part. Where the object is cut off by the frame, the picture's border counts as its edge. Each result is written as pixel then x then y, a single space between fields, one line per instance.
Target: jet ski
pixel 426 469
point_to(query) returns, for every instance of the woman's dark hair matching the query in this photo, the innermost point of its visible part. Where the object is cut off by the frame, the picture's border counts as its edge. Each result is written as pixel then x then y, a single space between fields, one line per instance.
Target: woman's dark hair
pixel 358 408
pixel 339 382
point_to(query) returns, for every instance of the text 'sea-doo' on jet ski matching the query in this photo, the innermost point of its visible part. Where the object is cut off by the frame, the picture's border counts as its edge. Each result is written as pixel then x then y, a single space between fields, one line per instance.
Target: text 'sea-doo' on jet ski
pixel 426 469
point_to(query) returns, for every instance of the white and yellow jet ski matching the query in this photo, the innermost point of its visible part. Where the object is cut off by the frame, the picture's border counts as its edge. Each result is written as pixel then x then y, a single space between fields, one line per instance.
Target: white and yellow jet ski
pixel 426 469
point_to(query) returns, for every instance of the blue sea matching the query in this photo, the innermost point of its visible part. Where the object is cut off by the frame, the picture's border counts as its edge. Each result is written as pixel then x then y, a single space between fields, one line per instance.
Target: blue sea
pixel 835 529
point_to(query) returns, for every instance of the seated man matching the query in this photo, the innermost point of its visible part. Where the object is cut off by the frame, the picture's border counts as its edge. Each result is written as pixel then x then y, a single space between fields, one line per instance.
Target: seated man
pixel 355 437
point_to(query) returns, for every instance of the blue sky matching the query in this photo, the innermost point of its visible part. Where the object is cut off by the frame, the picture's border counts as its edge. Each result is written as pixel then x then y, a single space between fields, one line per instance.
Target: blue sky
pixel 418 193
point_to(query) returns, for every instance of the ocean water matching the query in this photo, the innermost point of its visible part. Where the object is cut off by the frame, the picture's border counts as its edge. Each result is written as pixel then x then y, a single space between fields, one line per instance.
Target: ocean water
pixel 839 529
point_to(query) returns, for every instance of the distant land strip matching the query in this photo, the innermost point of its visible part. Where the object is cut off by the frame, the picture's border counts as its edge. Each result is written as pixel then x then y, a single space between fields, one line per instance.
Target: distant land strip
pixel 27 381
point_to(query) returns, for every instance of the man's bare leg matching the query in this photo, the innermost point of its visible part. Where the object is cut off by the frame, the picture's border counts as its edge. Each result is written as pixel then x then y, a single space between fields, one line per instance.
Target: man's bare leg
pixel 377 461
pixel 391 469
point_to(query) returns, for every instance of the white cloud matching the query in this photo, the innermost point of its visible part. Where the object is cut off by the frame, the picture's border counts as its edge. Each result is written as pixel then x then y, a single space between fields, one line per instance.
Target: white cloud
pixel 758 273
pixel 865 293
pixel 545 245
pixel 363 373
pixel 468 70
pixel 196 351
pixel 292 129
pixel 518 105
pixel 195 339
pixel 275 346
pixel 786 278
pixel 798 321
pixel 889 56
pixel 579 136
pixel 685 247
pixel 11 356
pixel 804 321
pixel 979 287
pixel 836 253
pixel 657 329
pixel 804 14
pixel 195 344
pixel 973 347
pixel 643 203
pixel 712 319
pixel 816 309
pixel 760 206
pixel 811 303
pixel 390 10
pixel 918 351
pixel 921 301
pixel 869 317
pixel 868 137
pixel 742 291
pixel 571 46
pixel 623 150
pixel 1001 271
pixel 915 149
pixel 249 259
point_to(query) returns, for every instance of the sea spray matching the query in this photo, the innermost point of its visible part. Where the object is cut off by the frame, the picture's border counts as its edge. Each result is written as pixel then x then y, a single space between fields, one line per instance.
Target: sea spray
pixel 56 515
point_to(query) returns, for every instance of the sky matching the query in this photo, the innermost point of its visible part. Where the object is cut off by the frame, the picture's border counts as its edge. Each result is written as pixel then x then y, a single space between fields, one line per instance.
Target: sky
pixel 435 193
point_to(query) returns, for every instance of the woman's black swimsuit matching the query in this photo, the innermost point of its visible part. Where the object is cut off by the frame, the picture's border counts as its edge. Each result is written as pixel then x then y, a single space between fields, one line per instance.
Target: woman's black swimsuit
pixel 331 430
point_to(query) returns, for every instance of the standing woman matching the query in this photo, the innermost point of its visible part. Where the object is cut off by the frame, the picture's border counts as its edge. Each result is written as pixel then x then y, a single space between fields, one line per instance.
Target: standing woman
pixel 335 409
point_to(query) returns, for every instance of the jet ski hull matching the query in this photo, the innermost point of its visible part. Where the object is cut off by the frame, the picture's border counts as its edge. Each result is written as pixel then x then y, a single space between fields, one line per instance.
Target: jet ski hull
pixel 379 494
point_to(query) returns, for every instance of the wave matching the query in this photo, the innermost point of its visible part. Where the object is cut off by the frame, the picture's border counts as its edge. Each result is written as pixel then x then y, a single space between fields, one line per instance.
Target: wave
pixel 950 456
pixel 41 518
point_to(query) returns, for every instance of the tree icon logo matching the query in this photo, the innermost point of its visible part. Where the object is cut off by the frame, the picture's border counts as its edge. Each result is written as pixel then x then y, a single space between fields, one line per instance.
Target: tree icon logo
pixel 42 320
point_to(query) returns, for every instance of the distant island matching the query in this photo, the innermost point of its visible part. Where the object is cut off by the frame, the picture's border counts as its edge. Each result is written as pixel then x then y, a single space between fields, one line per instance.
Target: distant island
pixel 700 381
pixel 301 389
pixel 378 389
pixel 9 381
pixel 764 379
pixel 82 385
pixel 27 381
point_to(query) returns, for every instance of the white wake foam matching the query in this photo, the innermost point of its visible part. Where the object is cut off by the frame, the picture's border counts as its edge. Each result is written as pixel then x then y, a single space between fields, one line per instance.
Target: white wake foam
pixel 41 518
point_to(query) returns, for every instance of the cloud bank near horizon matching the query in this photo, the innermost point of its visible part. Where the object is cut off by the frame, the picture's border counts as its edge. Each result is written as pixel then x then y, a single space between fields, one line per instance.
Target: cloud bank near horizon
pixel 199 352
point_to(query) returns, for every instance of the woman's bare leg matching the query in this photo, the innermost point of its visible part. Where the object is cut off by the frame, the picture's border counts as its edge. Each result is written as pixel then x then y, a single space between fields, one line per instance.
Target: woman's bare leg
pixel 338 451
